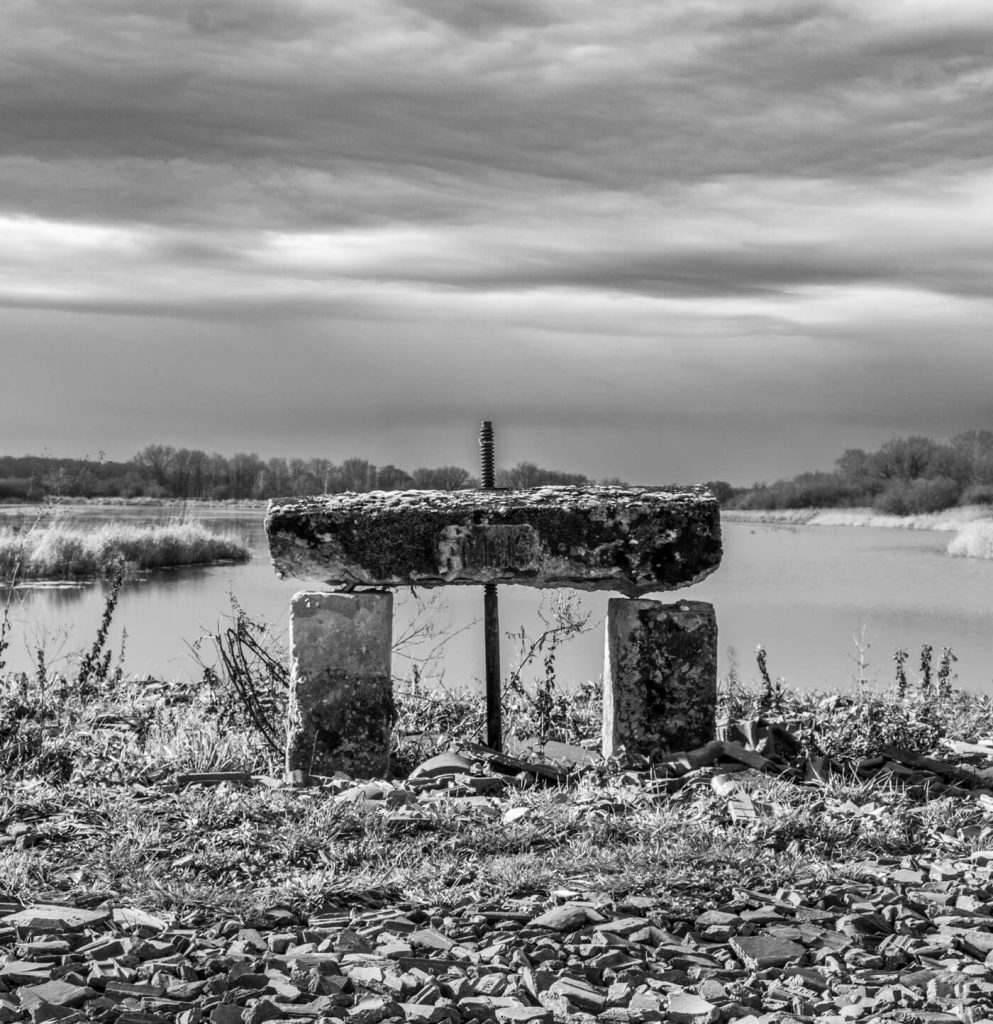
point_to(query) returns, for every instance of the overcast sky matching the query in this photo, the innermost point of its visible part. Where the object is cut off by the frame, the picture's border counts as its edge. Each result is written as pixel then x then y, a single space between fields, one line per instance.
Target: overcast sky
pixel 659 239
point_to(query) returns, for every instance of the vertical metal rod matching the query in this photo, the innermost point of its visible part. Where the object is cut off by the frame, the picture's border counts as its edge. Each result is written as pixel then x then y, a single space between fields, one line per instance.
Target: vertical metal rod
pixel 491 625
pixel 491 614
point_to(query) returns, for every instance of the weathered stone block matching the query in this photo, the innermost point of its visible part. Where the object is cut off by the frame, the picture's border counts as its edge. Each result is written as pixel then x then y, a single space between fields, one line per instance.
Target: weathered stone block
pixel 633 540
pixel 341 692
pixel 659 677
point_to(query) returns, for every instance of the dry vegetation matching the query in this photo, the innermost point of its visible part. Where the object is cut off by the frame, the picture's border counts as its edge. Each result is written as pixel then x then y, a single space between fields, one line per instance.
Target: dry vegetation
pixel 60 551
pixel 973 541
pixel 95 802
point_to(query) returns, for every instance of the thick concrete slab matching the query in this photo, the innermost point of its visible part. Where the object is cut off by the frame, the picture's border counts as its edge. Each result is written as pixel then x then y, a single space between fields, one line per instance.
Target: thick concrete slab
pixel 341 688
pixel 628 539
pixel 659 676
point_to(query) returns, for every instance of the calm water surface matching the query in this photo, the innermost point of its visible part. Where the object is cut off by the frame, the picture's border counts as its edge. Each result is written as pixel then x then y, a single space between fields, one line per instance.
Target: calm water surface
pixel 802 592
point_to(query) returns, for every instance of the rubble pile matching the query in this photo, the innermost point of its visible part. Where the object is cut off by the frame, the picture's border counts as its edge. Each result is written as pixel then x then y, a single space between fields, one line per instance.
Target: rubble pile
pixel 907 940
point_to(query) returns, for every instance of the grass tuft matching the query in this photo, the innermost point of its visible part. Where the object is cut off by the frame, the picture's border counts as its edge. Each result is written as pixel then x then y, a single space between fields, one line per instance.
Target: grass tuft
pixel 973 541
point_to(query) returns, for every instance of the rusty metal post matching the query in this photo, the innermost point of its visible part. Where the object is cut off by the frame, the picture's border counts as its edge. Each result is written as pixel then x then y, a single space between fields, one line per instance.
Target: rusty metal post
pixel 491 615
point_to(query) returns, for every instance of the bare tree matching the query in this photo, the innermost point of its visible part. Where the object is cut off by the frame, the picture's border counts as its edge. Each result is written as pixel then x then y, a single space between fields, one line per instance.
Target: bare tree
pixel 527 474
pixel 153 462
pixel 358 474
pixel 180 470
pixel 442 478
pixel 391 478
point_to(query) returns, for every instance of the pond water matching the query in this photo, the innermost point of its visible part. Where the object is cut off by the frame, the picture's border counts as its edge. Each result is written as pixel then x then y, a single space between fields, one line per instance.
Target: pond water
pixel 803 592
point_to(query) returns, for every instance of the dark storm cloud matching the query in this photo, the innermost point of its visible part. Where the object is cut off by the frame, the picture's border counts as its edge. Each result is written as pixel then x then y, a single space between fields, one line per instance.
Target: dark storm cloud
pixel 617 96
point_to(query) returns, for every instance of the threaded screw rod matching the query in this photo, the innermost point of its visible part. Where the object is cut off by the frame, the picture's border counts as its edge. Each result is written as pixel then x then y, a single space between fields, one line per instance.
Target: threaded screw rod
pixel 486 454
pixel 491 612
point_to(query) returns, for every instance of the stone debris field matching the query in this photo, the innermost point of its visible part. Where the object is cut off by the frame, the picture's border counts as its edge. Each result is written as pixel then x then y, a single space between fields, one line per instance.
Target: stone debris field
pixel 900 938
pixel 908 941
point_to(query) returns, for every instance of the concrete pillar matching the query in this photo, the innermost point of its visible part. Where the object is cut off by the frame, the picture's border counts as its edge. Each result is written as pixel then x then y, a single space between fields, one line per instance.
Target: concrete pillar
pixel 659 676
pixel 341 689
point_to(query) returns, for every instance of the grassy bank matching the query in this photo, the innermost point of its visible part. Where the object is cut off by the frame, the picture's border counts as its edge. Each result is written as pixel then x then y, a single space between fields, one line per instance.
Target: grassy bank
pixel 950 519
pixel 60 551
pixel 162 503
pixel 98 799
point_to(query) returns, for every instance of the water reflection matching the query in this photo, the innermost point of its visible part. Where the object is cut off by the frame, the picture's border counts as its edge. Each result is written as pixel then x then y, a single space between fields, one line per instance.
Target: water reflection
pixel 47 594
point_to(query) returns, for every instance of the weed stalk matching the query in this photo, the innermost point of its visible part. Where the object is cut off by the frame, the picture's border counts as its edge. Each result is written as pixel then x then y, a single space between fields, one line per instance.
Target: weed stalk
pixel 567 621
pixel 945 676
pixel 96 664
pixel 900 660
pixel 926 656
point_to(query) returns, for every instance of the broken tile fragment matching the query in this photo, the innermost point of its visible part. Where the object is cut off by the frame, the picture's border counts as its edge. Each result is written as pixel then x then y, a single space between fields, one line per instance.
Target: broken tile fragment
pixel 580 994
pixel 523 1015
pixel 137 920
pixel 48 918
pixel 442 764
pixel 760 951
pixel 55 993
pixel 686 1008
pixel 566 917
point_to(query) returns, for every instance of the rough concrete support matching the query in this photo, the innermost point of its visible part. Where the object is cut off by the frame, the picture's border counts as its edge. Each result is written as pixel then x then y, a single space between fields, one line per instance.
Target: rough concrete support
pixel 341 693
pixel 659 677
pixel 635 540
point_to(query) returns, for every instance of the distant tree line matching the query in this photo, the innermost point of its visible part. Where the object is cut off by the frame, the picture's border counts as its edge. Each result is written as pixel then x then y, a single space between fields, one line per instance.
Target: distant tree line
pixel 906 476
pixel 161 471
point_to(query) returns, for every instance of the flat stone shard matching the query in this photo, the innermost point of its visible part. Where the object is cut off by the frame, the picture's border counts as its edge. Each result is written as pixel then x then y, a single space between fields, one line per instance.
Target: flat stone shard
pixel 341 691
pixel 659 677
pixel 628 539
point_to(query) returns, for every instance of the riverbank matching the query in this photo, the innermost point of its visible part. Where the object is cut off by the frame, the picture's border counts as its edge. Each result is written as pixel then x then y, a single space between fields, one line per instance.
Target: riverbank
pixel 60 551
pixel 973 524
pixel 168 504
pixel 951 519
pixel 165 508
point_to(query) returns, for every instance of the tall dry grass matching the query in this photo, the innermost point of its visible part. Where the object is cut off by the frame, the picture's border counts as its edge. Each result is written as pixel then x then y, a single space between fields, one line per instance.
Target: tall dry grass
pixel 61 551
pixel 951 519
pixel 973 541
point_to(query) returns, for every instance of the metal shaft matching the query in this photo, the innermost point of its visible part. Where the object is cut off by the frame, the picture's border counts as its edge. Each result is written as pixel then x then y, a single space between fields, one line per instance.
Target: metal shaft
pixel 491 613
pixel 486 458
pixel 491 625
